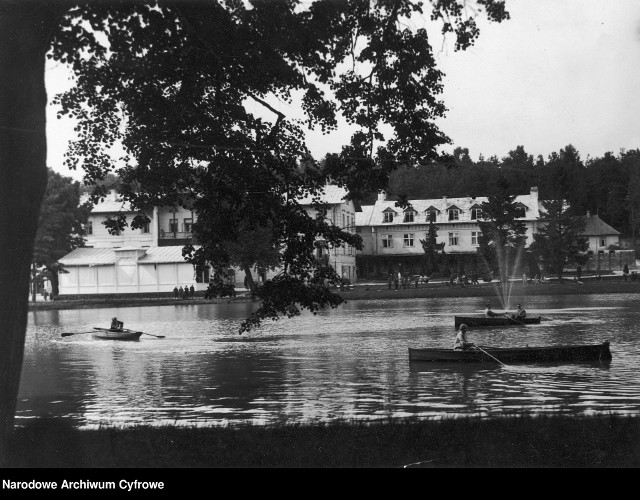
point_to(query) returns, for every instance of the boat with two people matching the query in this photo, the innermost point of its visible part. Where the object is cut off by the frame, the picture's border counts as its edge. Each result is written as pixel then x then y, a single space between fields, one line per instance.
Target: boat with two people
pixel 495 321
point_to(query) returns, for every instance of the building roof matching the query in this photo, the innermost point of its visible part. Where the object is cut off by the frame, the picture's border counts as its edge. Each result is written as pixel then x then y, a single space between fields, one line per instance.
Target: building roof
pixel 372 215
pixel 106 256
pixel 595 226
pixel 332 194
pixel 111 206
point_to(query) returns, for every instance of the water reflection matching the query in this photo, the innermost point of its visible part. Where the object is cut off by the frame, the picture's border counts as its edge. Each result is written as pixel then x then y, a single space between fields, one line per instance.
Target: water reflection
pixel 349 363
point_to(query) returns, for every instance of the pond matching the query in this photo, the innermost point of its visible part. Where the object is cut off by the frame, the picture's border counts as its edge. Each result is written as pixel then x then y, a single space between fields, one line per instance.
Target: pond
pixel 349 363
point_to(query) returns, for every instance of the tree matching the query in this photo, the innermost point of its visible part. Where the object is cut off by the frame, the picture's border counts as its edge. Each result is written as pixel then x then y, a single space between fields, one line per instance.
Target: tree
pixel 433 250
pixel 170 85
pixel 502 237
pixel 60 228
pixel 558 242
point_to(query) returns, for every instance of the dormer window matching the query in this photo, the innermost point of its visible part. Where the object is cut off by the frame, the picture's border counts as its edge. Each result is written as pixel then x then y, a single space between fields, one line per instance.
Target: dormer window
pixel 476 212
pixel 521 210
pixel 431 212
pixel 454 213
pixel 388 216
pixel 409 216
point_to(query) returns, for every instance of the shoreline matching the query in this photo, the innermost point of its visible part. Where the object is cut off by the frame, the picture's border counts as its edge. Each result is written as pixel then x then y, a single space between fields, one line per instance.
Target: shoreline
pixel 521 441
pixel 376 291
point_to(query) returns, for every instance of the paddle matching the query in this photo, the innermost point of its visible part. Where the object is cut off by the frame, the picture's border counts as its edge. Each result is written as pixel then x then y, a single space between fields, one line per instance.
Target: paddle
pixel 482 350
pixel 513 319
pixel 159 336
pixel 67 334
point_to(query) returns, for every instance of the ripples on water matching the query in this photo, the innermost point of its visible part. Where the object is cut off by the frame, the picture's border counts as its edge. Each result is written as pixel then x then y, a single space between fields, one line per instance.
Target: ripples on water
pixel 348 363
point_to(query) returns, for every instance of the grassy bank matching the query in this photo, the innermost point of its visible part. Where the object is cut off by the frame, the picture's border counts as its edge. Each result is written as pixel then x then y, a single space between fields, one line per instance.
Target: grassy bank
pixel 370 291
pixel 545 441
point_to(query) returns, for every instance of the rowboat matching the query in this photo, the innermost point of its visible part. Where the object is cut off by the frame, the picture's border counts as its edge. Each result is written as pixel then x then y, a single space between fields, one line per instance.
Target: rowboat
pixel 109 334
pixel 549 354
pixel 495 321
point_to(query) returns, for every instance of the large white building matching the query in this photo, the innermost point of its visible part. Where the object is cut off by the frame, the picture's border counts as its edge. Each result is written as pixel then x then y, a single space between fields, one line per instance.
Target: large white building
pixel 149 260
pixel 391 236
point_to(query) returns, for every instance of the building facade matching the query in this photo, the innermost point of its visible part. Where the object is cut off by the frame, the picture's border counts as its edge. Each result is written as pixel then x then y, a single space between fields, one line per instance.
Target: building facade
pixel 149 260
pixel 391 236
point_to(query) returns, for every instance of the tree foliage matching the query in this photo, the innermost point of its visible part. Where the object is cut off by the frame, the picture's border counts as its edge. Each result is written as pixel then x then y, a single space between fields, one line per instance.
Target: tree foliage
pixel 60 228
pixel 191 93
pixel 503 236
pixel 433 251
pixel 558 241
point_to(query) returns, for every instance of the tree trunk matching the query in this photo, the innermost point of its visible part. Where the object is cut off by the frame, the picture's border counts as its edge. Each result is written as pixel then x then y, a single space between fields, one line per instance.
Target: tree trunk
pixel 25 32
pixel 250 283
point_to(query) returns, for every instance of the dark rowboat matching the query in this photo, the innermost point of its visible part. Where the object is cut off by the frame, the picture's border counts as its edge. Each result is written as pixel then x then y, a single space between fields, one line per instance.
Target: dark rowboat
pixel 495 321
pixel 551 354
pixel 109 334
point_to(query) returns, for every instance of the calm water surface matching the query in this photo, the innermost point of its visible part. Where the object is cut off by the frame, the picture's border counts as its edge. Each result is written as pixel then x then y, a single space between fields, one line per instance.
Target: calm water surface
pixel 348 363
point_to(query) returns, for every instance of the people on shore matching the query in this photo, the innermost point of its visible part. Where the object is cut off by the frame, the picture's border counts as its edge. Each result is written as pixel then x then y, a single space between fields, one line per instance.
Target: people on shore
pixel 625 272
pixel 115 324
pixel 461 341
pixel 192 291
pixel 175 292
pixel 489 313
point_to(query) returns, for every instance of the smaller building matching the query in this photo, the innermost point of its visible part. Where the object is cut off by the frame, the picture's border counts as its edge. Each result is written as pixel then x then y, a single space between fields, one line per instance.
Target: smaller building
pixel 599 234
pixel 126 270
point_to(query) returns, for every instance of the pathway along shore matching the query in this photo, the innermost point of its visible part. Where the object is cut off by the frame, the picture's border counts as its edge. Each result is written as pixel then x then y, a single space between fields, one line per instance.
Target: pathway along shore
pixel 367 291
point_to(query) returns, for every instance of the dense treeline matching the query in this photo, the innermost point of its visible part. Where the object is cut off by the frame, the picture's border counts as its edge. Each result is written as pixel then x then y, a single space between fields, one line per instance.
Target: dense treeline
pixel 608 186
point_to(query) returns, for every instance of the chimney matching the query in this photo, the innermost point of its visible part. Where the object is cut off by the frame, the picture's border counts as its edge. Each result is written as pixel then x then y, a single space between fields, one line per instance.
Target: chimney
pixel 114 195
pixel 534 189
pixel 382 195
pixel 588 214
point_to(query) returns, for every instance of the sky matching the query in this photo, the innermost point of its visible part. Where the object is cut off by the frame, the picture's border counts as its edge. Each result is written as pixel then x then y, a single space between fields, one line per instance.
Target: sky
pixel 558 72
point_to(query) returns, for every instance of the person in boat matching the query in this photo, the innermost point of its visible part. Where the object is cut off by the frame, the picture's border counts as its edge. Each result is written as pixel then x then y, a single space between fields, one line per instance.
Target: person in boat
pixel 461 341
pixel 520 313
pixel 489 313
pixel 115 324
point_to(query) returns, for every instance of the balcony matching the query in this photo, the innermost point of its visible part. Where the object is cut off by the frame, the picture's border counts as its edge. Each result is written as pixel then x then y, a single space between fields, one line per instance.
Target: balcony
pixel 166 238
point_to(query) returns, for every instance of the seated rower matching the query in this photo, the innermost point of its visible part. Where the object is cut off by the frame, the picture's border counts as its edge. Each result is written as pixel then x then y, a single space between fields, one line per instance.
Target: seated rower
pixel 489 313
pixel 115 324
pixel 520 313
pixel 461 339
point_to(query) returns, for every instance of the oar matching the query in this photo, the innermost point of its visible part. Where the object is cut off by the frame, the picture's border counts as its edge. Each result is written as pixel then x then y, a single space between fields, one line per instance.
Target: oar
pixel 513 319
pixel 482 350
pixel 159 336
pixel 68 334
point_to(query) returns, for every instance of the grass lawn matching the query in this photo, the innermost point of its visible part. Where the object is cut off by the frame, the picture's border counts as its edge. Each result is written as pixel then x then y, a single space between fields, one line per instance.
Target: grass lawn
pixel 543 441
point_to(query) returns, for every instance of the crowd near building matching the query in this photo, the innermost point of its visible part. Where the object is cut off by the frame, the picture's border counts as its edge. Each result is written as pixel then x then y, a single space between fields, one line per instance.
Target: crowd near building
pixel 149 260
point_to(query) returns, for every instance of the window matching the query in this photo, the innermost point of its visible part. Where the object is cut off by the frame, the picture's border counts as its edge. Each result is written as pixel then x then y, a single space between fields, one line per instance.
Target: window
pixel 408 240
pixel 145 229
pixel 408 216
pixel 387 241
pixel 454 239
pixel 520 211
pixel 454 214
pixel 188 225
pixel 173 225
pixel 476 213
pixel 349 250
pixel 89 227
pixel 475 237
pixel 343 222
pixel 388 217
pixel 431 215
pixel 602 242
